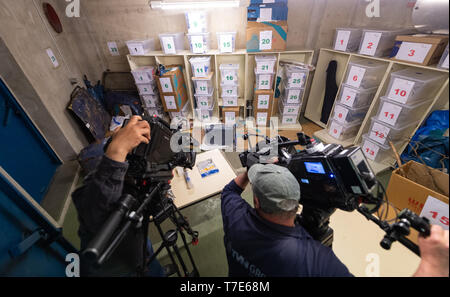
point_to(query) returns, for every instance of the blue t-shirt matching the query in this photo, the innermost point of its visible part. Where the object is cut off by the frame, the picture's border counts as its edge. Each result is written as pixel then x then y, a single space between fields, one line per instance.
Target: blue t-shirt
pixel 257 247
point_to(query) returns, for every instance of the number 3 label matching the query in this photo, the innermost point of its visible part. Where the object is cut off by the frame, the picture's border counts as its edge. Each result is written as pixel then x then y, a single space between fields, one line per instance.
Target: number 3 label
pixel 413 52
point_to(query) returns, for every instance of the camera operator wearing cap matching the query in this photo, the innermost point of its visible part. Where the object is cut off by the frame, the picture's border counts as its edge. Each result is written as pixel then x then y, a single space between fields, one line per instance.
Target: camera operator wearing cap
pixel 266 241
pixel 97 197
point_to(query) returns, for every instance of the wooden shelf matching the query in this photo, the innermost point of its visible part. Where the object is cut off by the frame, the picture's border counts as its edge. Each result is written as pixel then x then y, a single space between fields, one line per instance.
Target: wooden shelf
pixel 315 102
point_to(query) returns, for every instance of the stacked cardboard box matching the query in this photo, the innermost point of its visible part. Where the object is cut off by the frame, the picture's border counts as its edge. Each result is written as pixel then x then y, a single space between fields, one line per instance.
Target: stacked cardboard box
pixel 172 88
pixel 145 78
pixel 267 25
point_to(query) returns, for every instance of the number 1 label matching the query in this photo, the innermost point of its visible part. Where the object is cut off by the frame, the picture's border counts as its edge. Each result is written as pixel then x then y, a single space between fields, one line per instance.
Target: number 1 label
pixel 341 42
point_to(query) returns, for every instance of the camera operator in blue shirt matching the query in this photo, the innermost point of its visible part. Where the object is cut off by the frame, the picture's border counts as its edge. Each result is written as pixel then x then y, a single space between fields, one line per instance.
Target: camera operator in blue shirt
pixel 266 241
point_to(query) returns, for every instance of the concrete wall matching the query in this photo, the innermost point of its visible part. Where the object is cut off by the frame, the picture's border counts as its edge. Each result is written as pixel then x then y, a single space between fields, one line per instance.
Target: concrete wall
pixel 27 36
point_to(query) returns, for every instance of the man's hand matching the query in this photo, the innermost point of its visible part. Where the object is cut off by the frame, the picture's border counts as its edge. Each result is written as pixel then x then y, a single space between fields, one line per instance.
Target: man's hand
pixel 126 139
pixel 434 253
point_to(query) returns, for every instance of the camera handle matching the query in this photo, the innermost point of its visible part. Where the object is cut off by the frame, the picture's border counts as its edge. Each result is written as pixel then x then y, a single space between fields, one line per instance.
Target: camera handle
pixel 400 229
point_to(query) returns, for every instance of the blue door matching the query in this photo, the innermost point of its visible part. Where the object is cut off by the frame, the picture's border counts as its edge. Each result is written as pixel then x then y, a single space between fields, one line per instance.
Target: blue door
pixel 24 153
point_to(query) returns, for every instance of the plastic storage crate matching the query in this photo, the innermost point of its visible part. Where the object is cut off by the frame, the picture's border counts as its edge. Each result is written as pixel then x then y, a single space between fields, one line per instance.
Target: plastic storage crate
pixel 183 114
pixel 201 66
pixel 172 43
pixel 197 21
pixel 151 101
pixel 147 89
pixel 204 101
pixel 347 115
pixel 265 63
pixel 229 73
pixel 443 63
pixel 288 119
pixel 230 101
pixel 229 90
pixel 411 85
pixel 396 114
pixel 379 43
pixel 264 81
pixel 383 133
pixel 295 77
pixel 292 96
pixel 347 39
pixel 203 86
pixel 356 98
pixel 199 43
pixel 341 131
pixel 144 75
pixel 288 109
pixel 206 114
pixel 375 151
pixel 140 47
pixel 365 73
pixel 226 42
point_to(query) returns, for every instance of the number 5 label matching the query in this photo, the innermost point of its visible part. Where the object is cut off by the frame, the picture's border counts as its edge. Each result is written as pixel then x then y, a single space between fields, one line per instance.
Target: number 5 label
pixel 436 211
pixel 265 40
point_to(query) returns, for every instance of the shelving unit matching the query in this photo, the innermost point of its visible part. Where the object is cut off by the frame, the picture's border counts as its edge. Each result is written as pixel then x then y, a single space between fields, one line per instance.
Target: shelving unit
pixel 316 98
pixel 246 62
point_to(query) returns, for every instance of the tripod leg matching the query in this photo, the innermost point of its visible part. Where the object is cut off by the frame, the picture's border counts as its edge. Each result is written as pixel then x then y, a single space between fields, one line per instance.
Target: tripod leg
pixel 183 237
pixel 180 259
pixel 164 244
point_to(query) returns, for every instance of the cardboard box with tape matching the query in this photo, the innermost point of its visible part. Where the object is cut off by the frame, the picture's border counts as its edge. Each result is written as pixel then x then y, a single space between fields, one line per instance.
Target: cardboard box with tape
pixel 172 88
pixel 419 49
pixel 423 190
pixel 266 36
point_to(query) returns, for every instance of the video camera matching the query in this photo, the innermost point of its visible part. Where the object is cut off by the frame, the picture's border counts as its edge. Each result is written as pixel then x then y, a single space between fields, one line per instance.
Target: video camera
pixel 330 177
pixel 147 196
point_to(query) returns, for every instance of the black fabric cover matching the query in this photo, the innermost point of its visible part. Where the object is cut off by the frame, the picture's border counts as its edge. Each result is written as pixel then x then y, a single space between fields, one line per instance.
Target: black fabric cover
pixel 330 92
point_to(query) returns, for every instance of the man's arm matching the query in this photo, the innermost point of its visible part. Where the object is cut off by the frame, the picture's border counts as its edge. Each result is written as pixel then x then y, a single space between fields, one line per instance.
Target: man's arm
pixel 232 201
pixel 101 190
pixel 434 253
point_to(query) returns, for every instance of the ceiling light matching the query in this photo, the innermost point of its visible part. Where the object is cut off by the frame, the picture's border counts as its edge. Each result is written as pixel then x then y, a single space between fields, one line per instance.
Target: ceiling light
pixel 166 5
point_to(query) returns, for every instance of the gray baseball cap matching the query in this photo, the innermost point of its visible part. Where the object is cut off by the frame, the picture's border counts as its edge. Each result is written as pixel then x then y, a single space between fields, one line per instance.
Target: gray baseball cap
pixel 276 187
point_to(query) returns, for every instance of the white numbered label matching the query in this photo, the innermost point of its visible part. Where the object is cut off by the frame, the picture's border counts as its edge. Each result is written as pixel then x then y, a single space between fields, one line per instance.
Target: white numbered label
pixel 166 85
pixel 226 43
pixel 229 91
pixel 370 43
pixel 169 45
pixel 341 42
pixel 296 80
pixel 261 118
pixel 263 101
pixel 289 119
pixel 436 211
pixel 265 40
pixel 202 88
pixel 379 133
pixel 335 130
pixel 370 150
pixel 146 89
pixel 264 82
pixel 52 57
pixel 389 113
pixel 203 102
pixel 230 117
pixel 113 49
pixel 197 44
pixel 293 110
pixel 355 76
pixel 293 96
pixel 348 97
pixel 265 67
pixel 413 52
pixel 149 101
pixel 204 115
pixel 400 90
pixel 265 14
pixel 136 49
pixel 230 101
pixel 170 102
pixel 340 113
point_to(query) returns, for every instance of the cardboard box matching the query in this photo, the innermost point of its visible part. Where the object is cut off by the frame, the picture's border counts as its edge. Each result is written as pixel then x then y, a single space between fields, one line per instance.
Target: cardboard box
pixel 226 111
pixel 263 100
pixel 421 189
pixel 172 88
pixel 267 1
pixel 419 49
pixel 266 36
pixel 267 12
pixel 262 117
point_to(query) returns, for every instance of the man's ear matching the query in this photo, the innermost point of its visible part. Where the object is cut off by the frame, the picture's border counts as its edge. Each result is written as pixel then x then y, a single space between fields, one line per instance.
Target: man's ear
pixel 256 202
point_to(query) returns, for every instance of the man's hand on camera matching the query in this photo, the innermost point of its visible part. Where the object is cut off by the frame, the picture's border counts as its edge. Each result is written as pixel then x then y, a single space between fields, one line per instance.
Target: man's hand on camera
pixel 126 139
pixel 434 253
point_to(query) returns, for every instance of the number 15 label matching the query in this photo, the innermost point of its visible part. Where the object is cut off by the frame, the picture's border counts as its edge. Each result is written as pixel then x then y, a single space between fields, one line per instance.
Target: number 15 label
pixel 436 211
